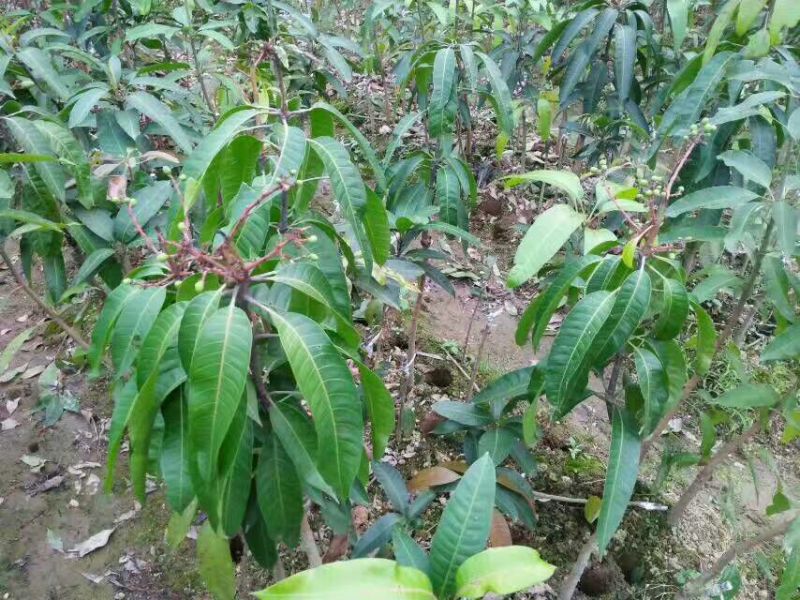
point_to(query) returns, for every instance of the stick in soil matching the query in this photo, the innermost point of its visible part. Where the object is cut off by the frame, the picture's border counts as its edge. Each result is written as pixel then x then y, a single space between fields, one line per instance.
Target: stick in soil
pixel 411 354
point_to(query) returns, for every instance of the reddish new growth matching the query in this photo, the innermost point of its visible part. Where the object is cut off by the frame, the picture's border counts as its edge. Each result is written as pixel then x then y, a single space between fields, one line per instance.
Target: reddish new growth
pixel 184 258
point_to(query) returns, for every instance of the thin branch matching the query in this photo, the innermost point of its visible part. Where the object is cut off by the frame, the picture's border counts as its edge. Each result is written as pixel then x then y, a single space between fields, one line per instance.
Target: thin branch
pixel 571 582
pixel 308 544
pixel 643 504
pixel 740 547
pixel 411 354
pixel 51 312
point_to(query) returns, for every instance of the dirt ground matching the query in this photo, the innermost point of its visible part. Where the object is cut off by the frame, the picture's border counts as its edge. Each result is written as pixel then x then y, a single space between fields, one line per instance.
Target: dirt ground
pixel 51 496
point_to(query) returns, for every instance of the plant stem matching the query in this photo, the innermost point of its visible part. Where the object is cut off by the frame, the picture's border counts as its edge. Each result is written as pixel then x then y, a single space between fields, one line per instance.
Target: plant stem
pixel 705 474
pixel 308 544
pixel 569 500
pixel 411 354
pixel 51 312
pixel 571 582
pixel 201 79
pixel 740 547
pixel 478 355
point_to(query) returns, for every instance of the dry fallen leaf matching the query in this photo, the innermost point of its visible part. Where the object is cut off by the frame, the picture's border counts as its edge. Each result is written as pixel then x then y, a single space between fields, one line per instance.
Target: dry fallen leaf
pixel 432 477
pixel 47 485
pixel 97 541
pixel 500 533
pixel 92 484
pixel 34 462
pixel 9 423
pixel 11 406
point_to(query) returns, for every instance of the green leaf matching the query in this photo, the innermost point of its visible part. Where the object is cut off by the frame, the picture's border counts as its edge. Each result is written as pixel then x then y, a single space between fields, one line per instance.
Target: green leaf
pixel 408 553
pixel 373 578
pixel 401 129
pixel 377 536
pixel 280 496
pixel 503 390
pixel 376 222
pixel 790 579
pixel 348 187
pixel 624 59
pixel 91 265
pixel 34 142
pixel 150 30
pixel 674 310
pixel 623 469
pixel 678 11
pixel 442 106
pixel 630 306
pixel 135 320
pixel 691 102
pixel 785 217
pixel 544 118
pixel 497 444
pixel 298 438
pixel 216 567
pixel 179 525
pixel 746 15
pixel 292 146
pixel 13 347
pixel 503 105
pixel 449 197
pixel 105 323
pixel 724 18
pixel 566 181
pixel 217 377
pixel 380 409
pixel 672 358
pixel 567 370
pixel 327 385
pixel 706 340
pixel 154 109
pixel 149 200
pixel 30 218
pixel 464 526
pixel 581 20
pixel 84 105
pixel 541 310
pixel 229 125
pixel 748 395
pixel 199 309
pixel 175 453
pixel 785 346
pixel 793 124
pixel 501 571
pixel 393 485
pixel 544 238
pixel 654 386
pixel 363 143
pixel 785 13
pixel 723 196
pixel 41 68
pixel 236 461
pixel 461 412
pixel 749 165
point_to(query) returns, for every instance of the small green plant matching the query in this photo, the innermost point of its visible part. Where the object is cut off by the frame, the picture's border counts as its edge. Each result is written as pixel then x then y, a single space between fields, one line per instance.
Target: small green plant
pixel 457 566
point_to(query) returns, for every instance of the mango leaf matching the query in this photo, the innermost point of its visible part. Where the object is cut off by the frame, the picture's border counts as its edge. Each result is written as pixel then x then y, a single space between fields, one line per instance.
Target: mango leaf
pixel 678 11
pixel 567 370
pixel 228 126
pixel 292 152
pixel 749 165
pixel 348 187
pixel 154 109
pixel 630 306
pixel 674 310
pixel 623 469
pixel 544 238
pixel 236 469
pixel 785 14
pixel 785 346
pixel 198 310
pixel 217 377
pixel 401 129
pixel 441 109
pixel 462 412
pixel 566 181
pixel 380 409
pixel 624 58
pixel 101 334
pixel 134 321
pixel 393 485
pixel 149 200
pixel 175 452
pixel 503 390
pixel 501 95
pixel 408 553
pixel 280 496
pixel 374 578
pixel 376 222
pixel 84 104
pixel 464 527
pixel 449 197
pixel 748 395
pixel 501 571
pixel 497 443
pixel 654 386
pixel 705 340
pixel 327 385
pixel 44 73
pixel 722 196
pixel 721 23
pixel 747 13
pixel 216 567
pixel 786 217
pixel 298 438
pixel 377 536
pixel 34 142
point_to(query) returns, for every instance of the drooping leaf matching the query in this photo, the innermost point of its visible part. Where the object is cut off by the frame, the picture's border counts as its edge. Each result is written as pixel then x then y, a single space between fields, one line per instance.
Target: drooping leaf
pixel 216 567
pixel 705 340
pixel 229 125
pixel 674 310
pixel 236 470
pixel 678 11
pixel 724 17
pixel 624 58
pixel 154 109
pixel 327 385
pixel 786 218
pixel 723 196
pixel 748 395
pixel 34 142
pixel 629 308
pixel 441 109
pixel 566 181
pixel 217 376
pixel 544 238
pixel 198 310
pixel 501 95
pixel 785 346
pixel 41 68
pixel 503 390
pixel 377 536
pixel 380 410
pixel 497 443
pixel 464 527
pixel 654 386
pixel 408 553
pixel 401 129
pixel 376 222
pixel 501 571
pixel 175 452
pixel 749 165
pixel 134 321
pixel 449 197
pixel 567 369
pixel 280 496
pixel 374 578
pixel 623 469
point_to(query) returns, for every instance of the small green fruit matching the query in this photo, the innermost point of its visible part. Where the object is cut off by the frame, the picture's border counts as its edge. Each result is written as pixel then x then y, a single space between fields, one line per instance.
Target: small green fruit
pixel 312 239
pixel 162 257
pixel 126 281
pixel 181 226
pixel 199 285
